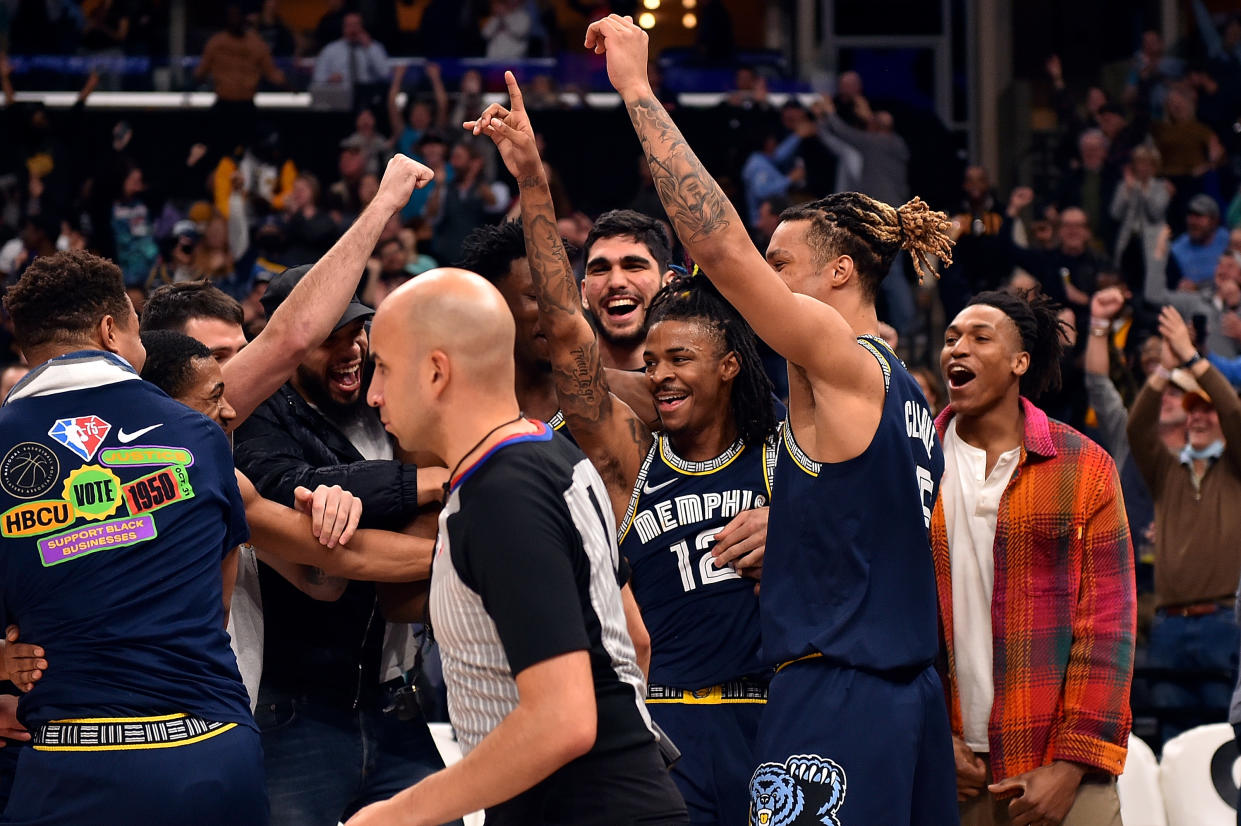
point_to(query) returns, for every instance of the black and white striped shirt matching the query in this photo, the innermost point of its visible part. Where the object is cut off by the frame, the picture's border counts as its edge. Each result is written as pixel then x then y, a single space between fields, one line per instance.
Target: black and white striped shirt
pixel 526 568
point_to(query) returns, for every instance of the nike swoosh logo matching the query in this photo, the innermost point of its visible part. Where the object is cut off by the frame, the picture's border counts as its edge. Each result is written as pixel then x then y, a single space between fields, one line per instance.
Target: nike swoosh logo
pixel 126 438
pixel 646 488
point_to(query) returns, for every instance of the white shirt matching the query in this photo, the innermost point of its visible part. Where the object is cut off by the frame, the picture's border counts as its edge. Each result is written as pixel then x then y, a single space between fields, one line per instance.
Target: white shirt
pixel 971 504
pixel 344 59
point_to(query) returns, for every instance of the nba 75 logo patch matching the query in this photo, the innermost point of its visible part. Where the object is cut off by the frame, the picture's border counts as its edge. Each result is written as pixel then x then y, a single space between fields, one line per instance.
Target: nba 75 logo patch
pixel 82 435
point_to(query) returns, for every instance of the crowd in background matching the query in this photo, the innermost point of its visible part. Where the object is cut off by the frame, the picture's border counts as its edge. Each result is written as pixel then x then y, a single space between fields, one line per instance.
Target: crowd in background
pixel 1142 210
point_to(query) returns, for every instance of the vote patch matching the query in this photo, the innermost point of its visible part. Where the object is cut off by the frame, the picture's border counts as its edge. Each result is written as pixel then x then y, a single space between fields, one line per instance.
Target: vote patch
pixel 28 470
pixel 94 492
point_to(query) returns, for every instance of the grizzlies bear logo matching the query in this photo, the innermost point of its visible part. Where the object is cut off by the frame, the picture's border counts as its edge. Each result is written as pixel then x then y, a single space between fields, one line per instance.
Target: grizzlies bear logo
pixel 806 785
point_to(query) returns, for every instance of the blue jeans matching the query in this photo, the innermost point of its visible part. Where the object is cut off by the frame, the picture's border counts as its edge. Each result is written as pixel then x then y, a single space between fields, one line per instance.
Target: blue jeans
pixel 323 762
pixel 1202 644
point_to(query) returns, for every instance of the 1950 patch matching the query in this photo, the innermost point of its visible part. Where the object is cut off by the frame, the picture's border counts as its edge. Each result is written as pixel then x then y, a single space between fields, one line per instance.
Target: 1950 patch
pixel 28 470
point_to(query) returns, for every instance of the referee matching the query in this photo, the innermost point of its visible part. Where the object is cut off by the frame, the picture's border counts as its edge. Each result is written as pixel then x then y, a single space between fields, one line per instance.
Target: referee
pixel 543 687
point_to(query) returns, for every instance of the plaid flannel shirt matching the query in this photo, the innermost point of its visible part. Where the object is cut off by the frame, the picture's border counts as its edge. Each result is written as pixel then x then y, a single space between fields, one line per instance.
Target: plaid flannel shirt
pixel 1064 608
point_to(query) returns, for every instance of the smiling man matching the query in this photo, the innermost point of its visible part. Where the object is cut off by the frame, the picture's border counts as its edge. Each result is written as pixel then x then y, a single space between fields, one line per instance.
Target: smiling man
pixel 1030 528
pixel 627 257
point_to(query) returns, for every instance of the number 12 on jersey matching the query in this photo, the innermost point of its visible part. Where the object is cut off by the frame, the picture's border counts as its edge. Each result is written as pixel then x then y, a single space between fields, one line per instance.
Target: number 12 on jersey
pixel 707 572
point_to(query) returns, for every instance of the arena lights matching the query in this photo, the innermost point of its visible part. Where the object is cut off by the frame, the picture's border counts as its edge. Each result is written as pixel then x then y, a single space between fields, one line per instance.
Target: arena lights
pixel 690 4
pixel 651 4
pixel 689 20
pixel 646 20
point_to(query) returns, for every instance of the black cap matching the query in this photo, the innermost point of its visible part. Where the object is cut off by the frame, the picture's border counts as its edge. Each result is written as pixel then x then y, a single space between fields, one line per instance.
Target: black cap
pixel 280 287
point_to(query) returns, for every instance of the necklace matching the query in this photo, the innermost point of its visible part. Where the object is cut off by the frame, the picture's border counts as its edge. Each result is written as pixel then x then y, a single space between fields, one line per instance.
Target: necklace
pixel 451 476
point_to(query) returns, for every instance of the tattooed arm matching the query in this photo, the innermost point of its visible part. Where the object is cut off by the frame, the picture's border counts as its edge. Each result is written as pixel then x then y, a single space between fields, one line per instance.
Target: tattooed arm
pixel 796 326
pixel 608 431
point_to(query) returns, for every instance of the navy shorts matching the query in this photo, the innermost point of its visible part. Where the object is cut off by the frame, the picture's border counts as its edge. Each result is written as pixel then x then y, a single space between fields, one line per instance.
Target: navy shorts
pixel 841 747
pixel 717 756
pixel 205 783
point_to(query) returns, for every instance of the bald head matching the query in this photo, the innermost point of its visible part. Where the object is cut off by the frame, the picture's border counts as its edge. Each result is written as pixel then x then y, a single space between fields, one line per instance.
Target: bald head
pixel 460 313
pixel 443 346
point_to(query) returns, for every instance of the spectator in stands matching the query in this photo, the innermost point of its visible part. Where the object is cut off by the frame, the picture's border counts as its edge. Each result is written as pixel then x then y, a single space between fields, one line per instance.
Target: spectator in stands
pixel 1195 254
pixel 375 148
pixel 885 155
pixel 1091 184
pixel 848 91
pixel 769 211
pixel 458 207
pixel 1047 724
pixel 507 30
pixel 1189 148
pixel 106 32
pixel 420 114
pixel 344 194
pixel 978 258
pixel 1067 272
pixel 136 250
pixel 771 170
pixel 236 59
pixel 309 231
pixel 1146 87
pixel 10 376
pixel 1197 529
pixel 355 59
pixel 1139 207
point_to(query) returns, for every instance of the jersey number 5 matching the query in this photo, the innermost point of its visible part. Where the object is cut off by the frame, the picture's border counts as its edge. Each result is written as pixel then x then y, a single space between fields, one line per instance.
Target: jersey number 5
pixel 707 572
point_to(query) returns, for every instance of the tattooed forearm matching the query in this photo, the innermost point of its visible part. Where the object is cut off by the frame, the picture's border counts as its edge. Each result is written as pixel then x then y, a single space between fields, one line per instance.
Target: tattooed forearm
pixel 549 266
pixel 693 200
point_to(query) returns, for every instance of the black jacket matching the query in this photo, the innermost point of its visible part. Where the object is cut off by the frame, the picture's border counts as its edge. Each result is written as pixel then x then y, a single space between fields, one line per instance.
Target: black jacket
pixel 286 443
pixel 326 651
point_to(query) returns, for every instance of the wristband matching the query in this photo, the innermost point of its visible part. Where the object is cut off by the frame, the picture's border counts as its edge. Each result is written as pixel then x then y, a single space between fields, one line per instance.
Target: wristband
pixel 1191 361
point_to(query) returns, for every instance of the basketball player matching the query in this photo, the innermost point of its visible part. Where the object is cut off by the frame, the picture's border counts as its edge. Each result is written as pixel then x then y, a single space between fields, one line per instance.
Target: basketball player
pixel 543 687
pixel 855 729
pixel 671 493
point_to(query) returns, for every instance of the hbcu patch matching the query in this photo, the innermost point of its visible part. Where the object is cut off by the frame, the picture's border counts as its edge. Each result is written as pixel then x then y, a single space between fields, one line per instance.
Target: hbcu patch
pixel 34 518
pixel 28 470
pixel 83 435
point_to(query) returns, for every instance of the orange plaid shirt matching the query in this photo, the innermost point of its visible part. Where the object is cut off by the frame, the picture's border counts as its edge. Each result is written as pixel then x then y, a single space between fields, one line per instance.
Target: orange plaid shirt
pixel 1064 607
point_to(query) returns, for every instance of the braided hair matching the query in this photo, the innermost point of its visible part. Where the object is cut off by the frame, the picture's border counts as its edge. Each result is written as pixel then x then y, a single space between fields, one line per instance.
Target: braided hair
pixel 1039 324
pixel 695 298
pixel 872 233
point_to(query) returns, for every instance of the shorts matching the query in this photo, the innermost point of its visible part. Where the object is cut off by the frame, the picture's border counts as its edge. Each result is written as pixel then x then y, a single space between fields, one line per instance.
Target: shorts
pixel 203 783
pixel 717 755
pixel 842 747
pixel 625 788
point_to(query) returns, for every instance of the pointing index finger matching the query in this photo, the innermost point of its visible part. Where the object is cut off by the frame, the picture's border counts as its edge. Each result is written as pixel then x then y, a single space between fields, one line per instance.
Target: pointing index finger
pixel 516 103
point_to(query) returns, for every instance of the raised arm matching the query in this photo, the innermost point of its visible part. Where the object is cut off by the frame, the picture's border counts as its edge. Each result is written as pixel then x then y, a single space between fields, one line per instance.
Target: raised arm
pixel 607 430
pixel 805 331
pixel 308 315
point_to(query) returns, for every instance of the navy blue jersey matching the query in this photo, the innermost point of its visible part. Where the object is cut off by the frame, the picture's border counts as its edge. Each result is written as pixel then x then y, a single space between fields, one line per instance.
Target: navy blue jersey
pixel 703 620
pixel 557 423
pixel 117 507
pixel 847 571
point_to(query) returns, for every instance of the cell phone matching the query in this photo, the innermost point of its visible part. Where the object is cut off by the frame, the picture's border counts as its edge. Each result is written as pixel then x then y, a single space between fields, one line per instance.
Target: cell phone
pixel 1200 329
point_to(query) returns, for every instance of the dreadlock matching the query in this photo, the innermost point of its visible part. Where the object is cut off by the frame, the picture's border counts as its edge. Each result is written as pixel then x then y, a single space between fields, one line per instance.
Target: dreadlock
pixel 872 233
pixel 695 298
pixel 1037 320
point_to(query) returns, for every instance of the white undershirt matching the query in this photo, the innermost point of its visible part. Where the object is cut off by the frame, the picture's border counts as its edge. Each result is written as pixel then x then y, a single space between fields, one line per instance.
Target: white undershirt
pixel 971 503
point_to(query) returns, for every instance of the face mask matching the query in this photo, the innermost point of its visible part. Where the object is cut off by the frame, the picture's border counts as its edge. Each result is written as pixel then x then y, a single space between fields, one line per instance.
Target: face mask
pixel 1208 453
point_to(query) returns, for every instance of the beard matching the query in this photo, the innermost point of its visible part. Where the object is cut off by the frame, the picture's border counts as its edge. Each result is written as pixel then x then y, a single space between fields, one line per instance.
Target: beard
pixel 317 393
pixel 621 340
